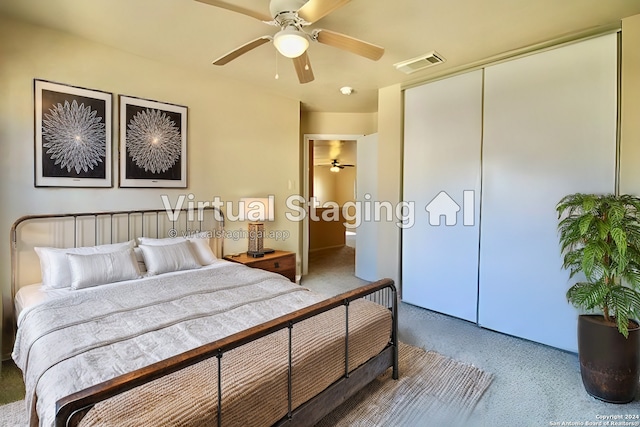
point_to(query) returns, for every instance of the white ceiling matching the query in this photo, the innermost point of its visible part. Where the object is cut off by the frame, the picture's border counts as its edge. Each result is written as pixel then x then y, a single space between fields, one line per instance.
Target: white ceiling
pixel 193 34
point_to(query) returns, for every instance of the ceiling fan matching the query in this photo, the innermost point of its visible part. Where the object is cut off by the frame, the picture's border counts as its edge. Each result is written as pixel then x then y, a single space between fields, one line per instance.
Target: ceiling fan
pixel 292 41
pixel 336 166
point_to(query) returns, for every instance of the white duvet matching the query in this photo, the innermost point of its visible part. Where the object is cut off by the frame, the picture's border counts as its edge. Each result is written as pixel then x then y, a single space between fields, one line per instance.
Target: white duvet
pixel 86 337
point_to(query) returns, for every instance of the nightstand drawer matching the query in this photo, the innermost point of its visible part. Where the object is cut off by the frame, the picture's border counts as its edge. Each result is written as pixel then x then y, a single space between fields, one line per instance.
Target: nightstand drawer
pixel 277 265
pixel 281 262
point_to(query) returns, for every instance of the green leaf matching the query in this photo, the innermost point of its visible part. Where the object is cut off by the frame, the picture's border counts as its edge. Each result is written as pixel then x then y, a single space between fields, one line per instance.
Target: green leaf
pixel 622 303
pixel 588 202
pixel 623 323
pixel 603 228
pixel 593 259
pixel 616 212
pixel 620 238
pixel 584 224
pixel 588 296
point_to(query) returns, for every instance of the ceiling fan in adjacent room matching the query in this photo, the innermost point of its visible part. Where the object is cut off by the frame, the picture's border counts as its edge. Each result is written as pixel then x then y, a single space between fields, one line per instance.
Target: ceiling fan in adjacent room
pixel 292 41
pixel 336 166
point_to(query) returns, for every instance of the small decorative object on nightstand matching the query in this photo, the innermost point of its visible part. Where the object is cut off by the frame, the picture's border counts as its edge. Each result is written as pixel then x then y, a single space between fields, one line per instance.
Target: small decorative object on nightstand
pixel 282 262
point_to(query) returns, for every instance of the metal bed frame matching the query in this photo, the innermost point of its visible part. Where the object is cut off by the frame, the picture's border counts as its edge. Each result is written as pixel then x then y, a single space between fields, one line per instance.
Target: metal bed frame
pixel 71 409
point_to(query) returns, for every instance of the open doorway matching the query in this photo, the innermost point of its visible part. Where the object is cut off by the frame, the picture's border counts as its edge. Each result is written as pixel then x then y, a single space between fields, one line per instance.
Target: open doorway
pixel 333 186
pixel 330 180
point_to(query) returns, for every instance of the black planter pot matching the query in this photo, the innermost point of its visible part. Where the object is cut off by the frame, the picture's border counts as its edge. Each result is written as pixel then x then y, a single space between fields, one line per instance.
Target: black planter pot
pixel 609 362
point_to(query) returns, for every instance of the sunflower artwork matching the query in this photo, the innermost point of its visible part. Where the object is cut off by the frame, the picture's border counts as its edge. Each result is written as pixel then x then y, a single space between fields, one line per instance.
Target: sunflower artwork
pixel 73 136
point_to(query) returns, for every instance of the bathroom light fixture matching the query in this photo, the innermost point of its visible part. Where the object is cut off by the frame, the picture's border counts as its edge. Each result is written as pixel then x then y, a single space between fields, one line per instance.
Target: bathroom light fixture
pixel 291 42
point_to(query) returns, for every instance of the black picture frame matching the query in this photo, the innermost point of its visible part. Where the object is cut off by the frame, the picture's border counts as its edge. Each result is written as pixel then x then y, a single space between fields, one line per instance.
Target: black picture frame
pixel 153 144
pixel 73 136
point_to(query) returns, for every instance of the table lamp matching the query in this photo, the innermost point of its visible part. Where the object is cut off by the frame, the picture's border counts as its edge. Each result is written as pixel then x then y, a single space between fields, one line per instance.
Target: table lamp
pixel 257 211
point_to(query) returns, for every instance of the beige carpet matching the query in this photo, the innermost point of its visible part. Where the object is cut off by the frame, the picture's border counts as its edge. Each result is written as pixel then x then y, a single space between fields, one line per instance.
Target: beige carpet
pixel 444 389
pixel 13 414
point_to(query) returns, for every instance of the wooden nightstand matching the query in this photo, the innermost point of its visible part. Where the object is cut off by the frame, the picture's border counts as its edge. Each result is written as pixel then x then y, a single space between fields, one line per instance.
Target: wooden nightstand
pixel 282 262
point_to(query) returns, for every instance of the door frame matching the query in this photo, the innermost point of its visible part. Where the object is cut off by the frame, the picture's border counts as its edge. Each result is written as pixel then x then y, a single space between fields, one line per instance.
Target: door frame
pixel 308 137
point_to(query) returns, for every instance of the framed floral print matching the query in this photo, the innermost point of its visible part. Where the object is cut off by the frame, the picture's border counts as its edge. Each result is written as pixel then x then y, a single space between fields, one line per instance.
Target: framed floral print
pixel 72 136
pixel 153 143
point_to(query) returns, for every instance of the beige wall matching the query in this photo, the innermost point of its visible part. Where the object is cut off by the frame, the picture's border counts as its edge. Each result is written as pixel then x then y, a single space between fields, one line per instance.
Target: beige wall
pixel 324 184
pixel 236 133
pixel 334 187
pixel 630 118
pixel 345 183
pixel 338 123
pixel 390 133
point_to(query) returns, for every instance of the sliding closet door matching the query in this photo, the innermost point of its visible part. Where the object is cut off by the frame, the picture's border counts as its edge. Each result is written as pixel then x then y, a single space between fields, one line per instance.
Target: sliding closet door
pixel 549 130
pixel 443 129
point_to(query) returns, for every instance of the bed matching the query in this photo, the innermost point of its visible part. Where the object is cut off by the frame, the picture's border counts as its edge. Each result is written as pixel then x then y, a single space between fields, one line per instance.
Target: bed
pixel 193 340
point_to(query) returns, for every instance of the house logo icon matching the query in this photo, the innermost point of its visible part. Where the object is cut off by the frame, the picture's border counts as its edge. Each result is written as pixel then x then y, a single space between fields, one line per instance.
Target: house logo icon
pixel 445 205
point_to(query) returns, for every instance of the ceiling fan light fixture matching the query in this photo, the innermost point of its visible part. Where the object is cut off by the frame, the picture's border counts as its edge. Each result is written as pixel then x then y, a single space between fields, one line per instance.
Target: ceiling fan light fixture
pixel 334 169
pixel 291 42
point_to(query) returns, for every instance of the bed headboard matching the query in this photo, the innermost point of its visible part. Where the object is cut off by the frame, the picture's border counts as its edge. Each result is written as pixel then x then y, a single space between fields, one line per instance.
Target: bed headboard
pixel 95 228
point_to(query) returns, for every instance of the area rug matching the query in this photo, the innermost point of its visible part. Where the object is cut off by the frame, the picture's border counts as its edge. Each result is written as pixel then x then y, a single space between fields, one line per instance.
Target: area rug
pixel 432 389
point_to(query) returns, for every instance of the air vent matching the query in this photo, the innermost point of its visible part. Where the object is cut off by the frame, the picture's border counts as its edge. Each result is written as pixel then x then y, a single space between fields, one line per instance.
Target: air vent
pixel 419 63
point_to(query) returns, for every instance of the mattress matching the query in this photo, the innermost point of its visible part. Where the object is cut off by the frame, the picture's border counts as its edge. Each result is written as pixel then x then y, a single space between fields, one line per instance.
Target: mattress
pixel 66 343
pixel 32 295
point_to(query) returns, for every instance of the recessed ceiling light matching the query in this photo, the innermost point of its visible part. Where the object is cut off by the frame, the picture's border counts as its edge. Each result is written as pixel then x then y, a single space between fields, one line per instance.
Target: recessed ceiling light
pixel 346 90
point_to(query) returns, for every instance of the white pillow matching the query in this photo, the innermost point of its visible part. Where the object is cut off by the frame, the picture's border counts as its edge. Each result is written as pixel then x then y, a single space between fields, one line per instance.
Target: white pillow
pixel 167 258
pixel 202 250
pixel 98 269
pixel 199 244
pixel 54 265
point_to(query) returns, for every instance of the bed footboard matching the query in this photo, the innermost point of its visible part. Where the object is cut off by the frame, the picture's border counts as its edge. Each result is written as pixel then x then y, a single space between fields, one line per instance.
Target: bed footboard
pixel 71 409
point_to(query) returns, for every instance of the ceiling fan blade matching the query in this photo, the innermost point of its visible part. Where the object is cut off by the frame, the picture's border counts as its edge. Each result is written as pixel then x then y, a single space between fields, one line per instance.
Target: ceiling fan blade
pixel 348 43
pixel 239 9
pixel 314 10
pixel 303 68
pixel 226 58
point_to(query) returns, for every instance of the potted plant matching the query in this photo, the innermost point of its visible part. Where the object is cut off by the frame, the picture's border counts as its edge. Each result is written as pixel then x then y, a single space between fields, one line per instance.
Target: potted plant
pixel 600 242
